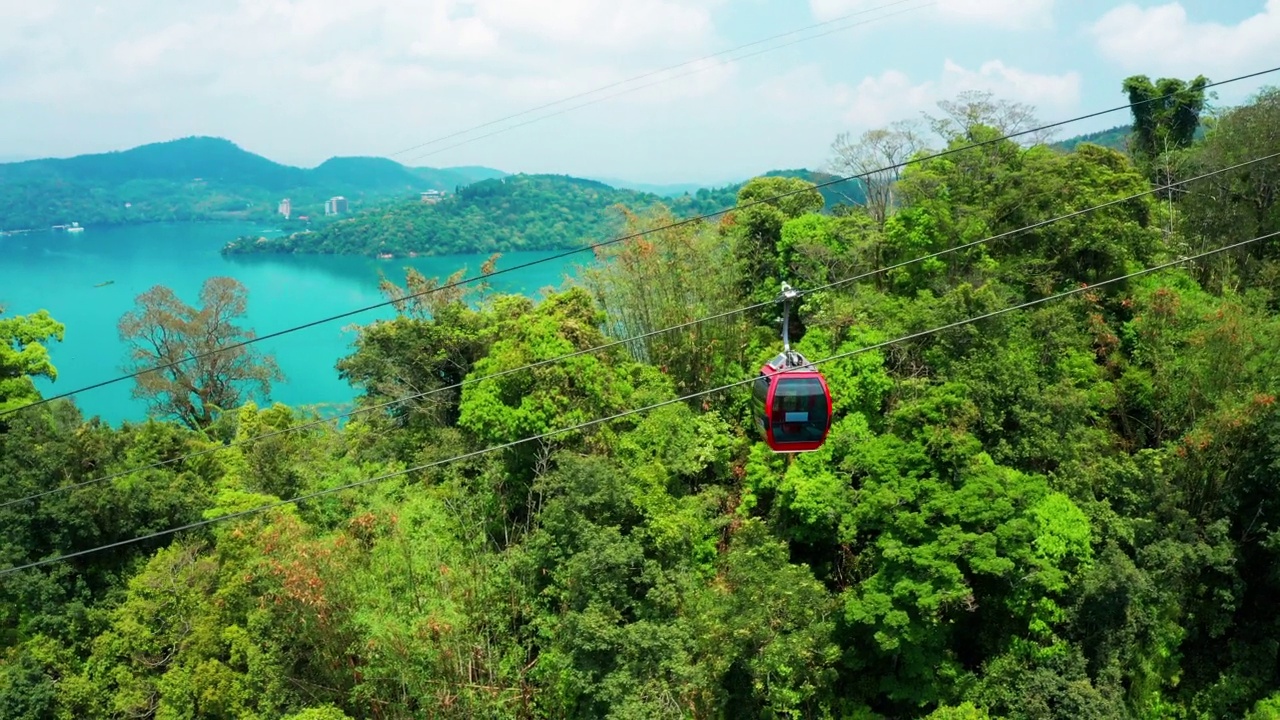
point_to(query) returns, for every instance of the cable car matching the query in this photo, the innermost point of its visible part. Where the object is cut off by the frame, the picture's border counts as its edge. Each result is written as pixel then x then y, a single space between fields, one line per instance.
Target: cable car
pixel 791 402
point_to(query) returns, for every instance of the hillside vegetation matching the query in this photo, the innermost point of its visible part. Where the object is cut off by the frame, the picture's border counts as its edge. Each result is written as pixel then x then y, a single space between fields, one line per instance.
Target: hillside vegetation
pixel 200 178
pixel 1066 511
pixel 518 212
pixel 1116 138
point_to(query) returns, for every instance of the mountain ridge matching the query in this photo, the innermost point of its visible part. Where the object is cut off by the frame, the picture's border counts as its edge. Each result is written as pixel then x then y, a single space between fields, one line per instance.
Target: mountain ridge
pixel 206 178
pixel 202 178
pixel 199 178
pixel 231 150
pixel 518 212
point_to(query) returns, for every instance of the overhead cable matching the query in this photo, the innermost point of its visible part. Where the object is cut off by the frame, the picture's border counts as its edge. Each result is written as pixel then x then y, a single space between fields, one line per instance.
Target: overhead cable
pixel 615 343
pixel 605 243
pixel 651 73
pixel 590 423
pixel 695 71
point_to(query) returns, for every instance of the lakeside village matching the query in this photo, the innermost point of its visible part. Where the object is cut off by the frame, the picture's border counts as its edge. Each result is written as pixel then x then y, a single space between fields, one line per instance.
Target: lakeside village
pixel 334 206
pixel 74 227
pixel 338 205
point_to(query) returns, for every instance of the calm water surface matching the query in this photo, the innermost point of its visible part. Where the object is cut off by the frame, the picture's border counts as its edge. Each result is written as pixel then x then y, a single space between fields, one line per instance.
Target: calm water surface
pixel 58 272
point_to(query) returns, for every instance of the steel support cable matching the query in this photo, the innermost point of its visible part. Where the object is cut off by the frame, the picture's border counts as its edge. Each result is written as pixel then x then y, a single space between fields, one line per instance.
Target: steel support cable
pixel 1041 223
pixel 651 73
pixel 616 343
pixel 612 241
pixel 626 413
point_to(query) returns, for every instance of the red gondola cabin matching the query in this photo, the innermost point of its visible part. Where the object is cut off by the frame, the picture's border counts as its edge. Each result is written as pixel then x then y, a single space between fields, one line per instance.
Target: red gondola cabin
pixel 792 409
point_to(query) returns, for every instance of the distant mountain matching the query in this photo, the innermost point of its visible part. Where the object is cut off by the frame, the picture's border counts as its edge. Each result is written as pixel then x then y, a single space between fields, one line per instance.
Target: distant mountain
pixel 473 173
pixel 201 178
pixel 207 158
pixel 660 189
pixel 207 178
pixel 839 193
pixel 835 191
pixel 835 194
pixel 371 174
pixel 368 173
pixel 1115 138
pixel 516 212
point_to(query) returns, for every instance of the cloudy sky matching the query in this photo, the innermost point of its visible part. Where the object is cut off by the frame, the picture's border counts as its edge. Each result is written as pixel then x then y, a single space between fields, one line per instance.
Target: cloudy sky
pixel 302 80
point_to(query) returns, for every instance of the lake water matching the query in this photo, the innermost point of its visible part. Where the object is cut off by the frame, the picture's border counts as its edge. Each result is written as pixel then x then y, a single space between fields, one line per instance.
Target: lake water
pixel 58 271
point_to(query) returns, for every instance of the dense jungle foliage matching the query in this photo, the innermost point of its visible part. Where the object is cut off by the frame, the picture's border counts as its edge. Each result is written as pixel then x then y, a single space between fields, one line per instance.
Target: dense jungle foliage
pixel 198 179
pixel 1067 511
pixel 518 212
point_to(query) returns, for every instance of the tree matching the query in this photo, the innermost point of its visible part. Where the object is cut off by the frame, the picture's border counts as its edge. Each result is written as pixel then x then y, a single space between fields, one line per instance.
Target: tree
pixel 875 157
pixel 672 277
pixel 1240 204
pixel 1166 113
pixel 765 205
pixel 24 356
pixel 431 344
pixel 201 364
pixel 973 108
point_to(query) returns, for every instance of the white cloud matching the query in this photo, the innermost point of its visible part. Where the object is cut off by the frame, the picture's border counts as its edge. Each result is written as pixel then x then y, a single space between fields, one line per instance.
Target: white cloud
pixel 1162 39
pixel 300 80
pixel 354 49
pixel 1006 14
pixel 23 13
pixel 879 100
pixel 803 92
pixel 617 25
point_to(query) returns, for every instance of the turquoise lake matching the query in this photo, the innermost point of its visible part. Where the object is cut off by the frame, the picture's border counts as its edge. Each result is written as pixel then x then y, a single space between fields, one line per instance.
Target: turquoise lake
pixel 58 272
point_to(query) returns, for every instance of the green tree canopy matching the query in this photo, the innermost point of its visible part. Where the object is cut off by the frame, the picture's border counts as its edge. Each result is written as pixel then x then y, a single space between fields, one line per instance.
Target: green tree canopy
pixel 23 355
pixel 1166 113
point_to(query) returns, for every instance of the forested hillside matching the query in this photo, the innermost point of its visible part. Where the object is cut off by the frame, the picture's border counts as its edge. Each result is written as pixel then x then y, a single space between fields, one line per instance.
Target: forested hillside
pixel 1116 138
pixel 1030 505
pixel 200 178
pixel 518 212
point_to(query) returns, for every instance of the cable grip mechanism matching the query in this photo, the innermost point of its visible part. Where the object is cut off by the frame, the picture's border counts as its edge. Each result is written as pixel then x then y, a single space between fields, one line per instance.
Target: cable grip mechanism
pixel 789 358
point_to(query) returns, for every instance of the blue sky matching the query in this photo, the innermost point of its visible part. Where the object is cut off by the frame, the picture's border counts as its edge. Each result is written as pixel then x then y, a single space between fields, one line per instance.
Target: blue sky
pixel 302 80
